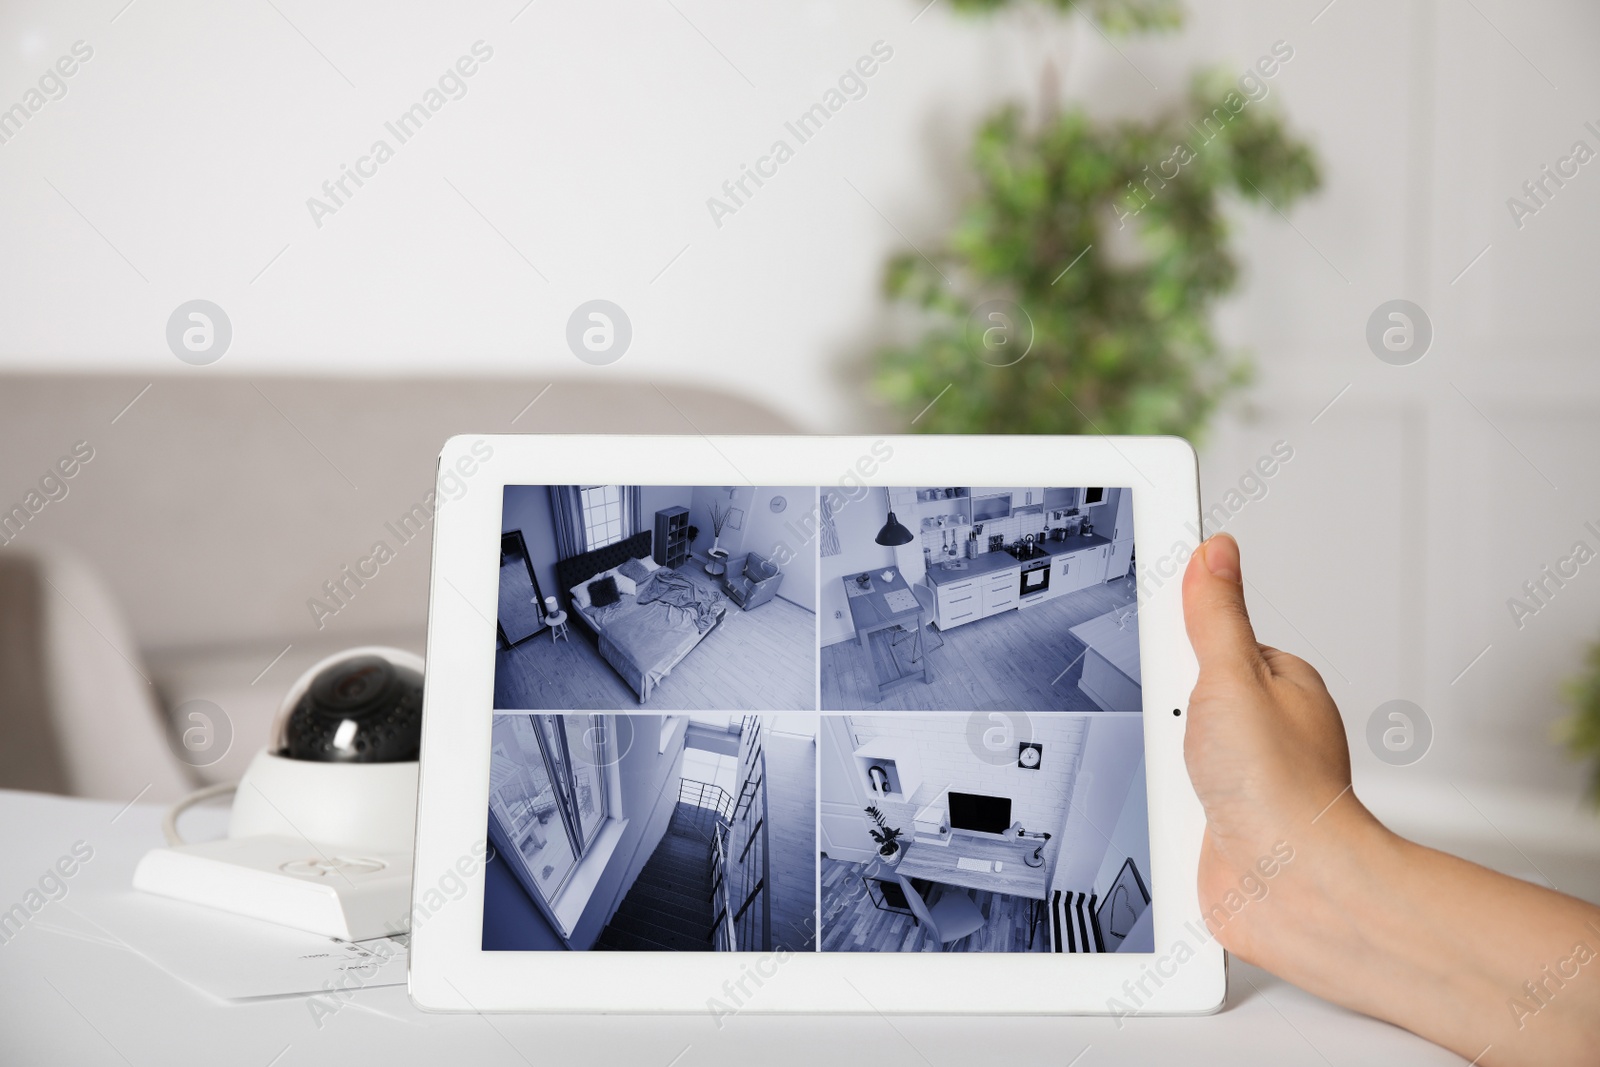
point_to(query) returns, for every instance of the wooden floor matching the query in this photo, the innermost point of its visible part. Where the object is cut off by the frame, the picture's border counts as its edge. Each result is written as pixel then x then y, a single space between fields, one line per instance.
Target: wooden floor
pixel 1022 660
pixel 758 660
pixel 851 923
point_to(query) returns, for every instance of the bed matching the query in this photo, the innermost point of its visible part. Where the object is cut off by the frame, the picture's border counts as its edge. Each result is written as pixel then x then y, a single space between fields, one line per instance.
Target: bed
pixel 647 633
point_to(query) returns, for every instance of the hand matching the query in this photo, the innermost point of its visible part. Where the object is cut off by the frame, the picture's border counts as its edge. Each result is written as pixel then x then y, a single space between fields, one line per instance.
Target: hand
pixel 1265 747
pixel 1298 877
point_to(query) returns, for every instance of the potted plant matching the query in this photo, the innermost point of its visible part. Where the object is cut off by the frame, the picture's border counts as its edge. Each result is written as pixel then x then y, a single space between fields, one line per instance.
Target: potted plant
pixel 1581 730
pixel 885 835
pixel 1094 246
pixel 718 517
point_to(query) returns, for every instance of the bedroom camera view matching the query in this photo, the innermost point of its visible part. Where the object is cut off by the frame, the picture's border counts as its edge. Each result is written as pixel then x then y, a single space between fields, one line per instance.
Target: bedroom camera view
pixel 652 833
pixel 672 598
pixel 984 833
pixel 952 598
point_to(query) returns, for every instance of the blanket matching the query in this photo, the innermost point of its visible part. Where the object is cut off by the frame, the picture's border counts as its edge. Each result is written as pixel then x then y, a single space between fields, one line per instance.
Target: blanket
pixel 679 594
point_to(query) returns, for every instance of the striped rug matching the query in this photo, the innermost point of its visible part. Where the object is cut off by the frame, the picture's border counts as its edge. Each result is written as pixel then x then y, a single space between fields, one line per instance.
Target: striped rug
pixel 1072 923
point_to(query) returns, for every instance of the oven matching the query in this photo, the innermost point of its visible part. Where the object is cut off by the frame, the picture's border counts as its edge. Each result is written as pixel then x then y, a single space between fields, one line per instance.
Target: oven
pixel 1035 578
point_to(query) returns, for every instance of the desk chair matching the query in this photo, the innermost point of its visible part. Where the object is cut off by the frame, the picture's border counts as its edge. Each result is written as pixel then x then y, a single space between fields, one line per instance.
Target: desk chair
pixel 918 632
pixel 953 916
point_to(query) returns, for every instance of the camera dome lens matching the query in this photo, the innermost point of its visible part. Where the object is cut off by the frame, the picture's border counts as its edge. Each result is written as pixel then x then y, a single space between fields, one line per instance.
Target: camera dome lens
pixel 354 687
pixel 364 709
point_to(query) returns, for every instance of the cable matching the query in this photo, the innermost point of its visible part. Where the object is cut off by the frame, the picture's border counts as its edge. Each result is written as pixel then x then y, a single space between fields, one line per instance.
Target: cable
pixel 169 825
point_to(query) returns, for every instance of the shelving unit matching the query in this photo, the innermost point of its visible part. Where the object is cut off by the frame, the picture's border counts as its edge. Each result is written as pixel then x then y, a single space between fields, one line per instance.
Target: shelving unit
pixel 955 510
pixel 672 536
pixel 894 761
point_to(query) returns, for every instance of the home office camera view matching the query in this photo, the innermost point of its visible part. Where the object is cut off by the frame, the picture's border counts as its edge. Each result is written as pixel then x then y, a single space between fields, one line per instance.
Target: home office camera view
pixel 752 718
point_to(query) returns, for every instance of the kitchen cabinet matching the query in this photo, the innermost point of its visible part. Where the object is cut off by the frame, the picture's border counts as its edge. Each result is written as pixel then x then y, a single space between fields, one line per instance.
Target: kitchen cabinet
pixel 991 504
pixel 967 599
pixel 1027 501
pixel 959 602
pixel 1079 570
pixel 1001 590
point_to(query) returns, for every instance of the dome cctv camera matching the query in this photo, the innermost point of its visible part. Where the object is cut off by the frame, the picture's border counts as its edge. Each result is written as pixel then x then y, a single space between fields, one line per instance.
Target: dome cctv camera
pixel 324 819
pixel 358 707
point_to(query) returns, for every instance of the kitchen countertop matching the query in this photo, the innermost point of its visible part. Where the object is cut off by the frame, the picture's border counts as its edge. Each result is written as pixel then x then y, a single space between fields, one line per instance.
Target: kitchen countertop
pixel 990 562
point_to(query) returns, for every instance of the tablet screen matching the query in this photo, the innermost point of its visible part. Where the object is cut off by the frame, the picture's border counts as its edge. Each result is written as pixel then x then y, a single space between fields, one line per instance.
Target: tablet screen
pixel 757 718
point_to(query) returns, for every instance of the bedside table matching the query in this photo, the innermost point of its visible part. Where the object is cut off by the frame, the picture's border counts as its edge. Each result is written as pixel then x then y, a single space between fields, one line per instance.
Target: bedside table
pixel 558 626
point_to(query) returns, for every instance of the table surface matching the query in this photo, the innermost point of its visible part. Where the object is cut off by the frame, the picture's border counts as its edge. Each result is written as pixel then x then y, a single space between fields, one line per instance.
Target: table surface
pixel 1115 637
pixel 70 1000
pixel 937 863
pixel 870 611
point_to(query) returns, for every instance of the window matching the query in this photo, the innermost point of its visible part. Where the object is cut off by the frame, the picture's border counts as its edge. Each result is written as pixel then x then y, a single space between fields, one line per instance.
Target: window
pixel 602 515
pixel 547 793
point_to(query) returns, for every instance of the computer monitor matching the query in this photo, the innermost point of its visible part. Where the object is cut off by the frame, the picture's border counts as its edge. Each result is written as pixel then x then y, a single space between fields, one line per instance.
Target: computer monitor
pixel 979 813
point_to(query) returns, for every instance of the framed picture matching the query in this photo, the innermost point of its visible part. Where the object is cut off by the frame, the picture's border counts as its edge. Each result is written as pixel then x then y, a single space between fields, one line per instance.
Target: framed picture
pixel 735 518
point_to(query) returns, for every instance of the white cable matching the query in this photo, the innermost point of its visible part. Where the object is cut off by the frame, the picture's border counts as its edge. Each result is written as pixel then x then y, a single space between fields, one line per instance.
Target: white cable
pixel 169 825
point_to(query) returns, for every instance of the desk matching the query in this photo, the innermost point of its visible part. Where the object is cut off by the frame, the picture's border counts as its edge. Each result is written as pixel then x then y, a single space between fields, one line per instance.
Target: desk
pixel 871 613
pixel 937 863
pixel 70 1000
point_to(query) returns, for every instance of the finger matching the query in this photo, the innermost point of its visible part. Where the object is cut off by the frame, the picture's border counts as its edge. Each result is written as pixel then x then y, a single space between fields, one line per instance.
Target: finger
pixel 1214 611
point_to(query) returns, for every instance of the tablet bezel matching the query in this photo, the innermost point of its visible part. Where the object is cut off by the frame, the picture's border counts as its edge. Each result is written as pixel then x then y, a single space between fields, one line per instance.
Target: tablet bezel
pixel 449 971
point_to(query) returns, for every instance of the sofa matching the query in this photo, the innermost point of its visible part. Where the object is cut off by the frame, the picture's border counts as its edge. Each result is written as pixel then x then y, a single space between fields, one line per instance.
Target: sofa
pixel 202 515
pixel 751 580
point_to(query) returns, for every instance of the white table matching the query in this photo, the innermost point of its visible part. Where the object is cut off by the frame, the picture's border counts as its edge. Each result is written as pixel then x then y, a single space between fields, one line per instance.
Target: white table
pixel 80 1002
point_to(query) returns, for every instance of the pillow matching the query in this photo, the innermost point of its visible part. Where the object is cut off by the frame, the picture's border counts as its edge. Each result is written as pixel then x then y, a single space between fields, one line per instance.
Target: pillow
pixel 635 570
pixel 603 591
pixel 649 564
pixel 580 596
pixel 625 586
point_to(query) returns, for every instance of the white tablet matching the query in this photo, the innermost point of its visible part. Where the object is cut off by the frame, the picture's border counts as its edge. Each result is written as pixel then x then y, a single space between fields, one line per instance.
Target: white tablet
pixel 810 724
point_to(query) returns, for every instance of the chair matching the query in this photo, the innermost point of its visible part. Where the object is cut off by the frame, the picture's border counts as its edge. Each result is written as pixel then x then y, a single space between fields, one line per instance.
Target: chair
pixel 950 918
pixel 752 580
pixel 918 631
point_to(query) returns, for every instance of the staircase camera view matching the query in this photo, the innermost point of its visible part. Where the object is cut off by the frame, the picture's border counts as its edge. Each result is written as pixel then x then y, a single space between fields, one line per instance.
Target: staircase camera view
pixel 954 598
pixel 652 833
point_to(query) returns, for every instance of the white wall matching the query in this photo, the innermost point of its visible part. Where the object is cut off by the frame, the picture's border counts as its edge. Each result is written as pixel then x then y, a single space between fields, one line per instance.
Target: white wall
pixel 787 537
pixel 944 749
pixel 858 522
pixel 1129 837
pixel 1113 756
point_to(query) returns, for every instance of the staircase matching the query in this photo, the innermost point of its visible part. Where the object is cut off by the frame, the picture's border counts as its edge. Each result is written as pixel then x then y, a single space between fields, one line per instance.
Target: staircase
pixel 668 908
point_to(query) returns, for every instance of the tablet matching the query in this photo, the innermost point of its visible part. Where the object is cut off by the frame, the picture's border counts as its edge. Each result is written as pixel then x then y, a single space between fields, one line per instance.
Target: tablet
pixel 810 724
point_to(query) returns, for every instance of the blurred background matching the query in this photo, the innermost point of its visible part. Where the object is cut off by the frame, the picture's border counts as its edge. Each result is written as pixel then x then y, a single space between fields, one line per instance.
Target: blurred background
pixel 979 221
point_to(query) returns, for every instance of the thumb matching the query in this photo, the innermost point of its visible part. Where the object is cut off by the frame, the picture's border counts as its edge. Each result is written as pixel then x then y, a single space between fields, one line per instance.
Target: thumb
pixel 1214 612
